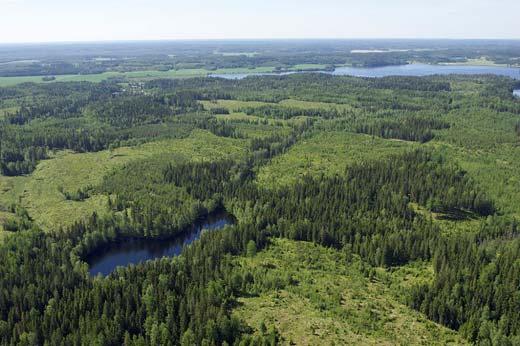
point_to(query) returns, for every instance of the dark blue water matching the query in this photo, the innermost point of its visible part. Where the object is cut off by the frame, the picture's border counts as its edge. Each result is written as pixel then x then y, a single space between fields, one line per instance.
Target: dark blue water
pixel 133 251
pixel 401 70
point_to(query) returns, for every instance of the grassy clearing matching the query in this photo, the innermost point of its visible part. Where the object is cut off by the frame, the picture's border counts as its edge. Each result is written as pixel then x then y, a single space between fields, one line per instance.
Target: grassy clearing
pixel 3 217
pixel 237 117
pixel 261 69
pixel 332 303
pixel 9 81
pixel 326 153
pixel 313 105
pixel 482 61
pixel 143 75
pixel 310 67
pixel 401 279
pixel 6 216
pixel 46 204
pixel 497 170
pixel 449 226
pixel 261 131
pixel 233 106
pixel 237 105
pixel 466 130
pixel 8 110
pixel 11 188
pixel 254 128
pixel 467 87
pixel 490 156
pixel 135 75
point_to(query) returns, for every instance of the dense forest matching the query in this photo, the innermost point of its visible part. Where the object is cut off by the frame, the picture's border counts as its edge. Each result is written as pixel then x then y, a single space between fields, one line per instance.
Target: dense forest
pixel 416 198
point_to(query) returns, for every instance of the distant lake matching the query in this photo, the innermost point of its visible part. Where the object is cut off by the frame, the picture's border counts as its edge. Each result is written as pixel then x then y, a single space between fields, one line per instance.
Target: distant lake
pixel 137 250
pixel 244 75
pixel 427 70
pixel 400 70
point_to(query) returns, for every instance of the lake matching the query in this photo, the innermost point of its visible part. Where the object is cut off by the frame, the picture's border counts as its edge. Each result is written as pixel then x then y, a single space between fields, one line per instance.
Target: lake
pixel 136 250
pixel 399 70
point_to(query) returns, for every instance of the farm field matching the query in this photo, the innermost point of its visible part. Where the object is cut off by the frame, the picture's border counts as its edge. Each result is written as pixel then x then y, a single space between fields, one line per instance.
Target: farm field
pixel 131 76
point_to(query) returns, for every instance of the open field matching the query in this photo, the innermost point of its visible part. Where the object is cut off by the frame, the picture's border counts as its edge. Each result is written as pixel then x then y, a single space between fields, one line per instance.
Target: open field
pixel 311 67
pixel 326 153
pixel 261 130
pixel 40 193
pixel 8 110
pixel 237 105
pixel 239 116
pixel 135 75
pixel 233 105
pixel 331 302
pixel 313 105
pixel 482 61
pixel 489 156
pixel 497 171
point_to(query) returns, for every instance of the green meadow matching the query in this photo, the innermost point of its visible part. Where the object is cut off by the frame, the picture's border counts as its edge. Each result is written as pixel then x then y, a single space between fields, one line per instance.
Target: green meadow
pixel 132 76
pixel 40 192
pixel 331 301
pixel 326 153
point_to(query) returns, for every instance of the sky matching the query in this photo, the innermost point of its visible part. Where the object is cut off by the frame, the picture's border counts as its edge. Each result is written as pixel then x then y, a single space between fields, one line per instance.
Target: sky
pixel 100 20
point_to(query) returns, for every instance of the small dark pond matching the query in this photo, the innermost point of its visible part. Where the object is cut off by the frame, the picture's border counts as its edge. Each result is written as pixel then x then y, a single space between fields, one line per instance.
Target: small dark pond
pixel 135 250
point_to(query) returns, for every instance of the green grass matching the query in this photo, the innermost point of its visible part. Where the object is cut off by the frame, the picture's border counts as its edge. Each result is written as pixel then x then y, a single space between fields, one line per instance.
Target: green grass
pixel 8 110
pixel 482 61
pixel 150 74
pixel 497 171
pixel 482 130
pixel 3 217
pixel 485 145
pixel 48 207
pixel 233 105
pixel 134 75
pixel 313 105
pixel 254 128
pixel 303 67
pixel 10 81
pixel 261 69
pixel 449 226
pixel 237 105
pixel 326 153
pixel 11 188
pixel 239 116
pixel 332 303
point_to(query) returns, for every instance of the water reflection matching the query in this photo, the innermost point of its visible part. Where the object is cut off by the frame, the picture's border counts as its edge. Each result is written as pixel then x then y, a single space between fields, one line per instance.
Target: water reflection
pixel 133 251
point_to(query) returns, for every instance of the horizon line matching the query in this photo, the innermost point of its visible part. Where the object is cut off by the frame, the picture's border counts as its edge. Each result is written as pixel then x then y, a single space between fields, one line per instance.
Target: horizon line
pixel 157 40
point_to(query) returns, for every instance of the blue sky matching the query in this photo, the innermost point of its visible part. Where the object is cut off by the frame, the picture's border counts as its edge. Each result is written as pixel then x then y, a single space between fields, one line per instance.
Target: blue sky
pixel 92 20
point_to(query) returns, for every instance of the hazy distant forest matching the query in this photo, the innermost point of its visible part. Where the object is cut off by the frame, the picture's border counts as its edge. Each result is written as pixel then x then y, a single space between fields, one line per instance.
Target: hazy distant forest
pixel 368 210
